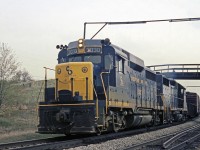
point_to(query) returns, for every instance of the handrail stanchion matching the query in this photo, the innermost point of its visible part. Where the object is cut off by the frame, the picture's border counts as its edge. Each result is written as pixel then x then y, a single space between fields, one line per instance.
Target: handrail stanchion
pixel 45 83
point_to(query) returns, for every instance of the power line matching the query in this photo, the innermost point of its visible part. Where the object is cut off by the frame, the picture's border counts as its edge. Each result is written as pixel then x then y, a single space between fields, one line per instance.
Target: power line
pixel 135 22
pixel 193 86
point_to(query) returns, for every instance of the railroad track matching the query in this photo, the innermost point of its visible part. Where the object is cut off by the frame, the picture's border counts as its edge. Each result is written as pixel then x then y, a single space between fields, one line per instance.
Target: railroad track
pixel 74 141
pixel 175 141
pixel 29 143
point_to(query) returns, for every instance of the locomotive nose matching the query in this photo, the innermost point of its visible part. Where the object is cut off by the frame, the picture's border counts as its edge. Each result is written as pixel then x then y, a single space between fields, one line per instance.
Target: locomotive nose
pixel 74 81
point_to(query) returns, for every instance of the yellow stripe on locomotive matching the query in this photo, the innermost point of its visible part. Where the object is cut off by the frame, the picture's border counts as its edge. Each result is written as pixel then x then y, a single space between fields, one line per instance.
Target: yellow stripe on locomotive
pixel 76 77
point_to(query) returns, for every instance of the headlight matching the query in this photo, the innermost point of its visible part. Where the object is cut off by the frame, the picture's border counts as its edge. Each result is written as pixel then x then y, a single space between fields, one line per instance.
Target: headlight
pixel 80 41
pixel 80 45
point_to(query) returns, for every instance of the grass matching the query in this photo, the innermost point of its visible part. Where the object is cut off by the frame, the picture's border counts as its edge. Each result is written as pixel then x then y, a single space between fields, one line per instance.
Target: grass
pixel 5 123
pixel 19 116
pixel 18 125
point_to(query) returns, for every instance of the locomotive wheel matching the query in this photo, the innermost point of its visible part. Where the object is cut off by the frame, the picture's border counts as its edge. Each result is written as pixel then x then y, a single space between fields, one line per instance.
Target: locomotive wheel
pixel 116 127
pixel 124 123
pixel 115 123
pixel 98 131
pixel 129 121
pixel 67 134
pixel 118 123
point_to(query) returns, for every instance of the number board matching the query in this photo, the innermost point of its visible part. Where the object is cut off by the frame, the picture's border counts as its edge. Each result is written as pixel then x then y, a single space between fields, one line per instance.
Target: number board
pixel 87 50
pixel 72 51
pixel 93 50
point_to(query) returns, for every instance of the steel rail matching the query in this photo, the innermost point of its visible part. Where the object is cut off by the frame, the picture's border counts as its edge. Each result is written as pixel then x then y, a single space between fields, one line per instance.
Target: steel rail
pixel 160 140
pixel 185 143
pixel 169 142
pixel 150 142
pixel 12 145
pixel 54 145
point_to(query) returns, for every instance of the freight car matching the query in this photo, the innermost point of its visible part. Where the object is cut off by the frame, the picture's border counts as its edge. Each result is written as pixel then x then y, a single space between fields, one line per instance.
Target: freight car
pixel 102 87
pixel 193 104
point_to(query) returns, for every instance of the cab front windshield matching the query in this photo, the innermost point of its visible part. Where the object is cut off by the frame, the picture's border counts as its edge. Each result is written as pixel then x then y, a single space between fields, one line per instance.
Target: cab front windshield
pixel 95 59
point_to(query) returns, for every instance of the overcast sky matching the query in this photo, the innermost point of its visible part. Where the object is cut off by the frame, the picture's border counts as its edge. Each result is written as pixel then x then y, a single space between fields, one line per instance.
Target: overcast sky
pixel 34 28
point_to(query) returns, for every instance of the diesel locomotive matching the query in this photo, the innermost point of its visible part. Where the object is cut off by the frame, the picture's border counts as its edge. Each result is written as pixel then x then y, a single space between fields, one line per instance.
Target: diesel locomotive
pixel 102 87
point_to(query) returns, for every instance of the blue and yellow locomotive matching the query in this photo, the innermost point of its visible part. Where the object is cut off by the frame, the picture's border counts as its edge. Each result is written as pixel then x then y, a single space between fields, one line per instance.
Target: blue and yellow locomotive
pixel 101 87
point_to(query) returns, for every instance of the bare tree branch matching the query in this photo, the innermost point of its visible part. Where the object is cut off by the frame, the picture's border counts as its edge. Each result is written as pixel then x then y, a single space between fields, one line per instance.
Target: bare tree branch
pixel 8 69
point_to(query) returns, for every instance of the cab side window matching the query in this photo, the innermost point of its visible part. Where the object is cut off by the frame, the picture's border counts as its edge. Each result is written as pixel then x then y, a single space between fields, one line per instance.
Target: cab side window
pixel 108 62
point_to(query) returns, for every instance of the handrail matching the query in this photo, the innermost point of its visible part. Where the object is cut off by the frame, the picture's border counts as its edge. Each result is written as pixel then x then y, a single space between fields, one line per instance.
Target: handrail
pixel 175 67
pixel 97 103
pixel 178 69
pixel 104 89
pixel 45 80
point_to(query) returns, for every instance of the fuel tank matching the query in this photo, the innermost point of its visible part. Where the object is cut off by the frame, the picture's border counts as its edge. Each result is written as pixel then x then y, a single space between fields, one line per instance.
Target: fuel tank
pixel 140 120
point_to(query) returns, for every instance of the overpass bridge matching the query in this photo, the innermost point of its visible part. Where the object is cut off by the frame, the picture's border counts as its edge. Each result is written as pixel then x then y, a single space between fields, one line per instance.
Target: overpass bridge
pixel 178 71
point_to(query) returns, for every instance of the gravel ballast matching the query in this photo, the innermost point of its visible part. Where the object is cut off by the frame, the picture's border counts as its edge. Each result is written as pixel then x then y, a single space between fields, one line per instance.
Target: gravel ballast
pixel 122 143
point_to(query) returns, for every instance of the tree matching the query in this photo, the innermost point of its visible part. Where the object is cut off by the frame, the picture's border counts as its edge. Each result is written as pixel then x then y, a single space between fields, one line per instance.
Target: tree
pixel 25 76
pixel 22 76
pixel 8 69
